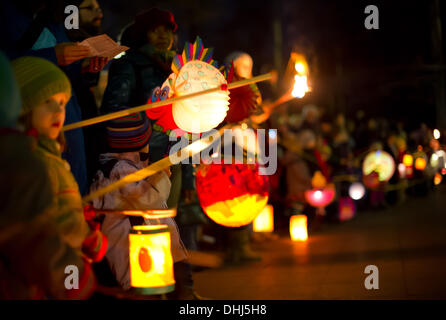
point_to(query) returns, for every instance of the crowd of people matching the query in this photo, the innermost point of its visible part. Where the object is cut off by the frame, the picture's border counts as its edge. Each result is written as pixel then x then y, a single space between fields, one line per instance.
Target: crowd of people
pixel 48 80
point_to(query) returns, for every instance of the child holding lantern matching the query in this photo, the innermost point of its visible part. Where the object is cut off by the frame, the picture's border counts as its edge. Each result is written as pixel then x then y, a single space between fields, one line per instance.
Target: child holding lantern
pixel 128 142
pixel 45 91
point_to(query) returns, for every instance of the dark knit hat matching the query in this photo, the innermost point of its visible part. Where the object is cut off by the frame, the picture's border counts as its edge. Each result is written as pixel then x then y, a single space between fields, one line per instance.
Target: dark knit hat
pixel 129 133
pixel 153 18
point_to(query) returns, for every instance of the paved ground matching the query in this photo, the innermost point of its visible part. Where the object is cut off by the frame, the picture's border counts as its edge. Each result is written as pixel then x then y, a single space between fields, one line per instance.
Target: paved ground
pixel 407 243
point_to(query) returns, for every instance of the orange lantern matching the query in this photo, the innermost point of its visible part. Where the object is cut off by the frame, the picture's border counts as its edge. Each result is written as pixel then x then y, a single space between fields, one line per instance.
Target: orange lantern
pixel 151 263
pixel 438 178
pixel 298 228
pixel 420 164
pixel 407 160
pixel 264 222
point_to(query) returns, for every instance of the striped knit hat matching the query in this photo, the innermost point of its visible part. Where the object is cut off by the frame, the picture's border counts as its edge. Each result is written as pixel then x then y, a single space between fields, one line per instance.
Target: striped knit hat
pixel 129 133
pixel 38 80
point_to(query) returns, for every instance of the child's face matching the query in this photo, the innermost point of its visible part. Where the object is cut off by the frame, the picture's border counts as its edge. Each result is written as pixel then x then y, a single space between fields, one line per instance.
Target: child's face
pixel 49 116
pixel 161 38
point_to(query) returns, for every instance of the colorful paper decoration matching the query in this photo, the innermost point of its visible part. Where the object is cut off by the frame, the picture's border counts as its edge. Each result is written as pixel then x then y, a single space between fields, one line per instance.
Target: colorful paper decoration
pixel 322 193
pixel 231 194
pixel 151 263
pixel 194 71
pixel 380 162
pixel 298 228
pixel 264 222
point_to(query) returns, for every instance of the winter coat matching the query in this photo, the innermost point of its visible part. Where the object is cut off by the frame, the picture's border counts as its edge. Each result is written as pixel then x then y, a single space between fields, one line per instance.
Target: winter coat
pixel 131 81
pixel 149 193
pixel 14 25
pixel 33 253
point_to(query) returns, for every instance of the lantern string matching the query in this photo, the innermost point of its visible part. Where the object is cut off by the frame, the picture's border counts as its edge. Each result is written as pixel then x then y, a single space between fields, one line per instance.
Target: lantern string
pixel 158 104
pixel 184 153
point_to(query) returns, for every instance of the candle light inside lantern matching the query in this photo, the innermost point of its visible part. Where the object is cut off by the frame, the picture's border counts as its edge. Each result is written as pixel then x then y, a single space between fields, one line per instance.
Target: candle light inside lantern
pixel 151 263
pixel 298 228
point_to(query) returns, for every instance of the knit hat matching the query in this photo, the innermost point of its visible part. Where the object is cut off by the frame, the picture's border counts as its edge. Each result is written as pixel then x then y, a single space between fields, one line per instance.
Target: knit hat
pixel 129 133
pixel 38 80
pixel 154 17
pixel 10 104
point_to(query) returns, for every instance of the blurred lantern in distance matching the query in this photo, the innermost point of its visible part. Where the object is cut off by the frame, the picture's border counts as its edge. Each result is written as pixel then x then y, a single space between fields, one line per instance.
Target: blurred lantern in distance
pixel 438 160
pixel 356 191
pixel 407 160
pixel 264 222
pixel 298 228
pixel 436 134
pixel 301 86
pixel 402 170
pixel 322 193
pixel 347 209
pixel 420 160
pixel 380 162
pixel 231 195
pixel 151 263
pixel 438 178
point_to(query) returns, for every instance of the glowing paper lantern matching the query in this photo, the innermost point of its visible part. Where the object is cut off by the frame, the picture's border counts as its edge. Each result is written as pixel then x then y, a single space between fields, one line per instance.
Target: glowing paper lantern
pixel 264 222
pixel 151 263
pixel 205 112
pixel 380 162
pixel 420 164
pixel 402 170
pixel 231 194
pixel 371 180
pixel 438 159
pixel 298 228
pixel 320 198
pixel 347 209
pixel 436 134
pixel 438 178
pixel 407 160
pixel 356 191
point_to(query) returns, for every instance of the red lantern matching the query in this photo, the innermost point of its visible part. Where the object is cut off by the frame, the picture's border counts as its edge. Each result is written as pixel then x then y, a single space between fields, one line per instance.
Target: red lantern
pixel 371 180
pixel 231 194
pixel 320 197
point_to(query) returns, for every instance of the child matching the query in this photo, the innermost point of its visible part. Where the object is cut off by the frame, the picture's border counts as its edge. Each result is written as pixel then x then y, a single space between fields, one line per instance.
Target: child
pixel 33 253
pixel 45 91
pixel 128 139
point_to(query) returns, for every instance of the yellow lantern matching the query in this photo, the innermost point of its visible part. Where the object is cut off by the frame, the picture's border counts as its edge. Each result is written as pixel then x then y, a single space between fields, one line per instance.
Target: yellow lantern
pixel 298 228
pixel 437 179
pixel 420 164
pixel 408 160
pixel 151 263
pixel 264 222
pixel 205 112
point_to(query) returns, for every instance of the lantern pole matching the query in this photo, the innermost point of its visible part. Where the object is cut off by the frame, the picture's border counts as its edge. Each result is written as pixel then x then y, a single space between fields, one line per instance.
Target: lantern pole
pixel 150 170
pixel 122 113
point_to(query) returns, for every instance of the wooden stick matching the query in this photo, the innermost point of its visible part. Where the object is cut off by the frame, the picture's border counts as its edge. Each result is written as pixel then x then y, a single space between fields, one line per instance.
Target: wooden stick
pixel 158 104
pixel 162 164
pixel 146 214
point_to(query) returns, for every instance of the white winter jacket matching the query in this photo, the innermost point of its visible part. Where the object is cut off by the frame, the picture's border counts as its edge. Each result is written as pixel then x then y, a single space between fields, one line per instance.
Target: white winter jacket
pixel 149 193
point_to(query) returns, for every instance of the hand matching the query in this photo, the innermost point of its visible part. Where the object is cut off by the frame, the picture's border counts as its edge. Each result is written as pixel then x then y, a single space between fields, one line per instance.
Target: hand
pixel 69 52
pixel 168 172
pixel 94 64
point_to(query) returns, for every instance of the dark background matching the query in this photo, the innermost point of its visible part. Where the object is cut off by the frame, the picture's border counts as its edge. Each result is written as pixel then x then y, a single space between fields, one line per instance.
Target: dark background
pixel 395 72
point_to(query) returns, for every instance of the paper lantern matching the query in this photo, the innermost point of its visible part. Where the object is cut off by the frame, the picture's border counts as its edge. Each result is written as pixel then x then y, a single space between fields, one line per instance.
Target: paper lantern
pixel 420 164
pixel 298 228
pixel 231 194
pixel 438 178
pixel 347 209
pixel 407 160
pixel 356 191
pixel 151 263
pixel 193 71
pixel 205 112
pixel 436 134
pixel 320 198
pixel 402 170
pixel 264 222
pixel 371 180
pixel 380 162
pixel 438 159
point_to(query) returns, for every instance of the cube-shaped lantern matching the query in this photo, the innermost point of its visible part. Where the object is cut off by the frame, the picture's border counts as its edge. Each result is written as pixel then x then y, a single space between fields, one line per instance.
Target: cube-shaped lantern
pixel 151 263
pixel 298 227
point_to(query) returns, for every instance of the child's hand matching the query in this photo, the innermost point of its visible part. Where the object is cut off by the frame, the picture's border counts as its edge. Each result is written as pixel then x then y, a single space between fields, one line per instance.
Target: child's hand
pixel 69 52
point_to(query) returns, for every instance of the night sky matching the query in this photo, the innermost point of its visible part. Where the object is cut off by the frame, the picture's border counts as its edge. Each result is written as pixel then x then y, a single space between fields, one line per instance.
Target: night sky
pixel 390 72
